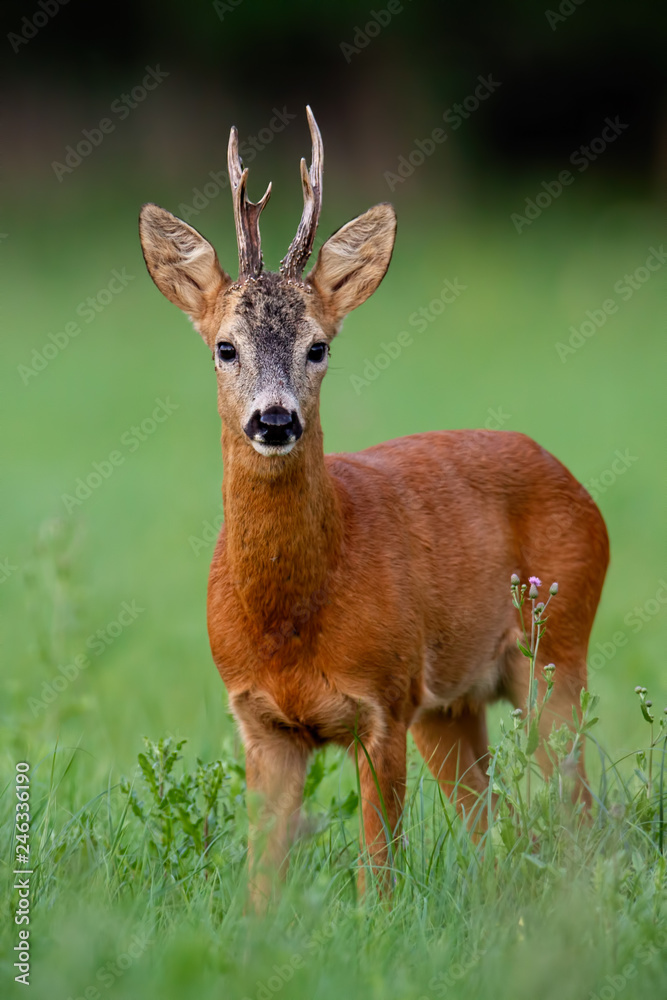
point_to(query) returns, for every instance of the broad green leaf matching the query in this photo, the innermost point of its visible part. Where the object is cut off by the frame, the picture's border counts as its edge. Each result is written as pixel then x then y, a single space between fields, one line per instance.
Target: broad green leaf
pixel 533 738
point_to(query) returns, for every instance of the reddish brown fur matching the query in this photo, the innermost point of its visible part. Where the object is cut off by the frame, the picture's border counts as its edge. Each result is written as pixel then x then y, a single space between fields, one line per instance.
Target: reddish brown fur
pixel 409 547
pixel 362 596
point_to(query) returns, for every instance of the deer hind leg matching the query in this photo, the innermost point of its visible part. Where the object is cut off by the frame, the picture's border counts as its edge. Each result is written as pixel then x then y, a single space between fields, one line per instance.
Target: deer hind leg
pixel 569 679
pixel 456 749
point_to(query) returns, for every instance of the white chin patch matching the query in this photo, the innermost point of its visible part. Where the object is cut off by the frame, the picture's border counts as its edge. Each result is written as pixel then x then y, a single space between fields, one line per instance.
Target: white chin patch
pixel 272 450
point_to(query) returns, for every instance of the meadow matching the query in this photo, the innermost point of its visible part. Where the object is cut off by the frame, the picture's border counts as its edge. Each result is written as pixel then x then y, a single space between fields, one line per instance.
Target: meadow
pixel 110 505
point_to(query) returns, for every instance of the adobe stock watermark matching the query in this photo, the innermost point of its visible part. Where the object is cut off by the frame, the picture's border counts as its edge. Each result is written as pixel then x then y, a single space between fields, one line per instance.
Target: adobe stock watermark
pixel 565 10
pixel 643 954
pixel 111 972
pixel 454 116
pixel 209 534
pixel 560 524
pixel 282 974
pixel 30 26
pixel 7 569
pixel 598 485
pixel 96 644
pixel 222 7
pixel 635 620
pixel 495 419
pixel 87 311
pixel 419 321
pixel 364 34
pixel 625 288
pixel 130 441
pixel 218 180
pixel 581 158
pixel 442 982
pixel 120 108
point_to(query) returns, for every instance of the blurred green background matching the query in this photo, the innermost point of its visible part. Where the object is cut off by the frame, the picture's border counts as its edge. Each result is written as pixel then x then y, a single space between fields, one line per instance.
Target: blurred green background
pixel 378 82
pixel 489 358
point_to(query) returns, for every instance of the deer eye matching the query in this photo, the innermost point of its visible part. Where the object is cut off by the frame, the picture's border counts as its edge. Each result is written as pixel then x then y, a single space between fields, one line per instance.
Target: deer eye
pixel 226 351
pixel 318 352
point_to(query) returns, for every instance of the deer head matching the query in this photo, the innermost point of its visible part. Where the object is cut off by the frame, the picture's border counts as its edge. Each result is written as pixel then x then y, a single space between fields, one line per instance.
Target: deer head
pixel 269 332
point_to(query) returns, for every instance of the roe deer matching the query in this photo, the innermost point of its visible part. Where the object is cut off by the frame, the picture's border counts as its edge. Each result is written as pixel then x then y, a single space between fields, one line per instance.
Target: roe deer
pixel 356 597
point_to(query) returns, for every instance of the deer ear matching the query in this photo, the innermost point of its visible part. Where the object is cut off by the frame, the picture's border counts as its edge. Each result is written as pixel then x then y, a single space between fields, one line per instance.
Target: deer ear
pixel 353 261
pixel 183 265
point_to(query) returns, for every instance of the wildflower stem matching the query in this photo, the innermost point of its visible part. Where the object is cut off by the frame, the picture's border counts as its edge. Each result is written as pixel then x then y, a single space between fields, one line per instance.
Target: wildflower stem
pixel 531 682
pixel 661 807
pixel 650 767
pixel 523 624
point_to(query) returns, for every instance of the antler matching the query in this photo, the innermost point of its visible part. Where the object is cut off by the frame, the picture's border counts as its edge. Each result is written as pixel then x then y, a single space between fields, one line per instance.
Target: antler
pixel 296 258
pixel 246 213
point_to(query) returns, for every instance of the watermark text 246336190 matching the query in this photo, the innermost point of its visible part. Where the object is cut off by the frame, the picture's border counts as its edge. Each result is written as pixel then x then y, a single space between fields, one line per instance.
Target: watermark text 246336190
pixel 22 872
pixel 120 108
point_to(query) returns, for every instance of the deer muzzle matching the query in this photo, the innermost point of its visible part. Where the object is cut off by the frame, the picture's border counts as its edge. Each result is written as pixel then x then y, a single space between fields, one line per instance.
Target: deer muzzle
pixel 274 431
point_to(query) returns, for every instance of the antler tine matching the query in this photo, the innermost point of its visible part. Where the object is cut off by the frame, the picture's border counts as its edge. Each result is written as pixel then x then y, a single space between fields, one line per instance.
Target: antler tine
pixel 246 212
pixel 301 247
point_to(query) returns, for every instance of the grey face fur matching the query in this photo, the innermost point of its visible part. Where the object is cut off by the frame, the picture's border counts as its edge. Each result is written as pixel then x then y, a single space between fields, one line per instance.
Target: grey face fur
pixel 271 372
pixel 268 385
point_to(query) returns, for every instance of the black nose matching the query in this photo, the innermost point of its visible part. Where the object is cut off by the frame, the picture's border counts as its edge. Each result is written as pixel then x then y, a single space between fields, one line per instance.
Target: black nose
pixel 274 427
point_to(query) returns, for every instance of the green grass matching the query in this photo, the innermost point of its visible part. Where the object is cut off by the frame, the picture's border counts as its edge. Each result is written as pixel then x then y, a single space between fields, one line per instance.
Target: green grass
pixel 554 919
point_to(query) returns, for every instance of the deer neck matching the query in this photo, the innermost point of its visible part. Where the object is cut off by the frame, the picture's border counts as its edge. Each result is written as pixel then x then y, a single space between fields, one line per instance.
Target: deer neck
pixel 282 529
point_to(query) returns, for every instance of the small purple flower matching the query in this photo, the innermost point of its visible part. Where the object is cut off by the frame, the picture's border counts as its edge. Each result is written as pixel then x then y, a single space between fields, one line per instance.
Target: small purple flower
pixel 535 580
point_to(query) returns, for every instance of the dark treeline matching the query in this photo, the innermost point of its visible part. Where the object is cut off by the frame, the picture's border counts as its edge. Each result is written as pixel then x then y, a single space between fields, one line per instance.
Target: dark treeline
pixel 562 68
